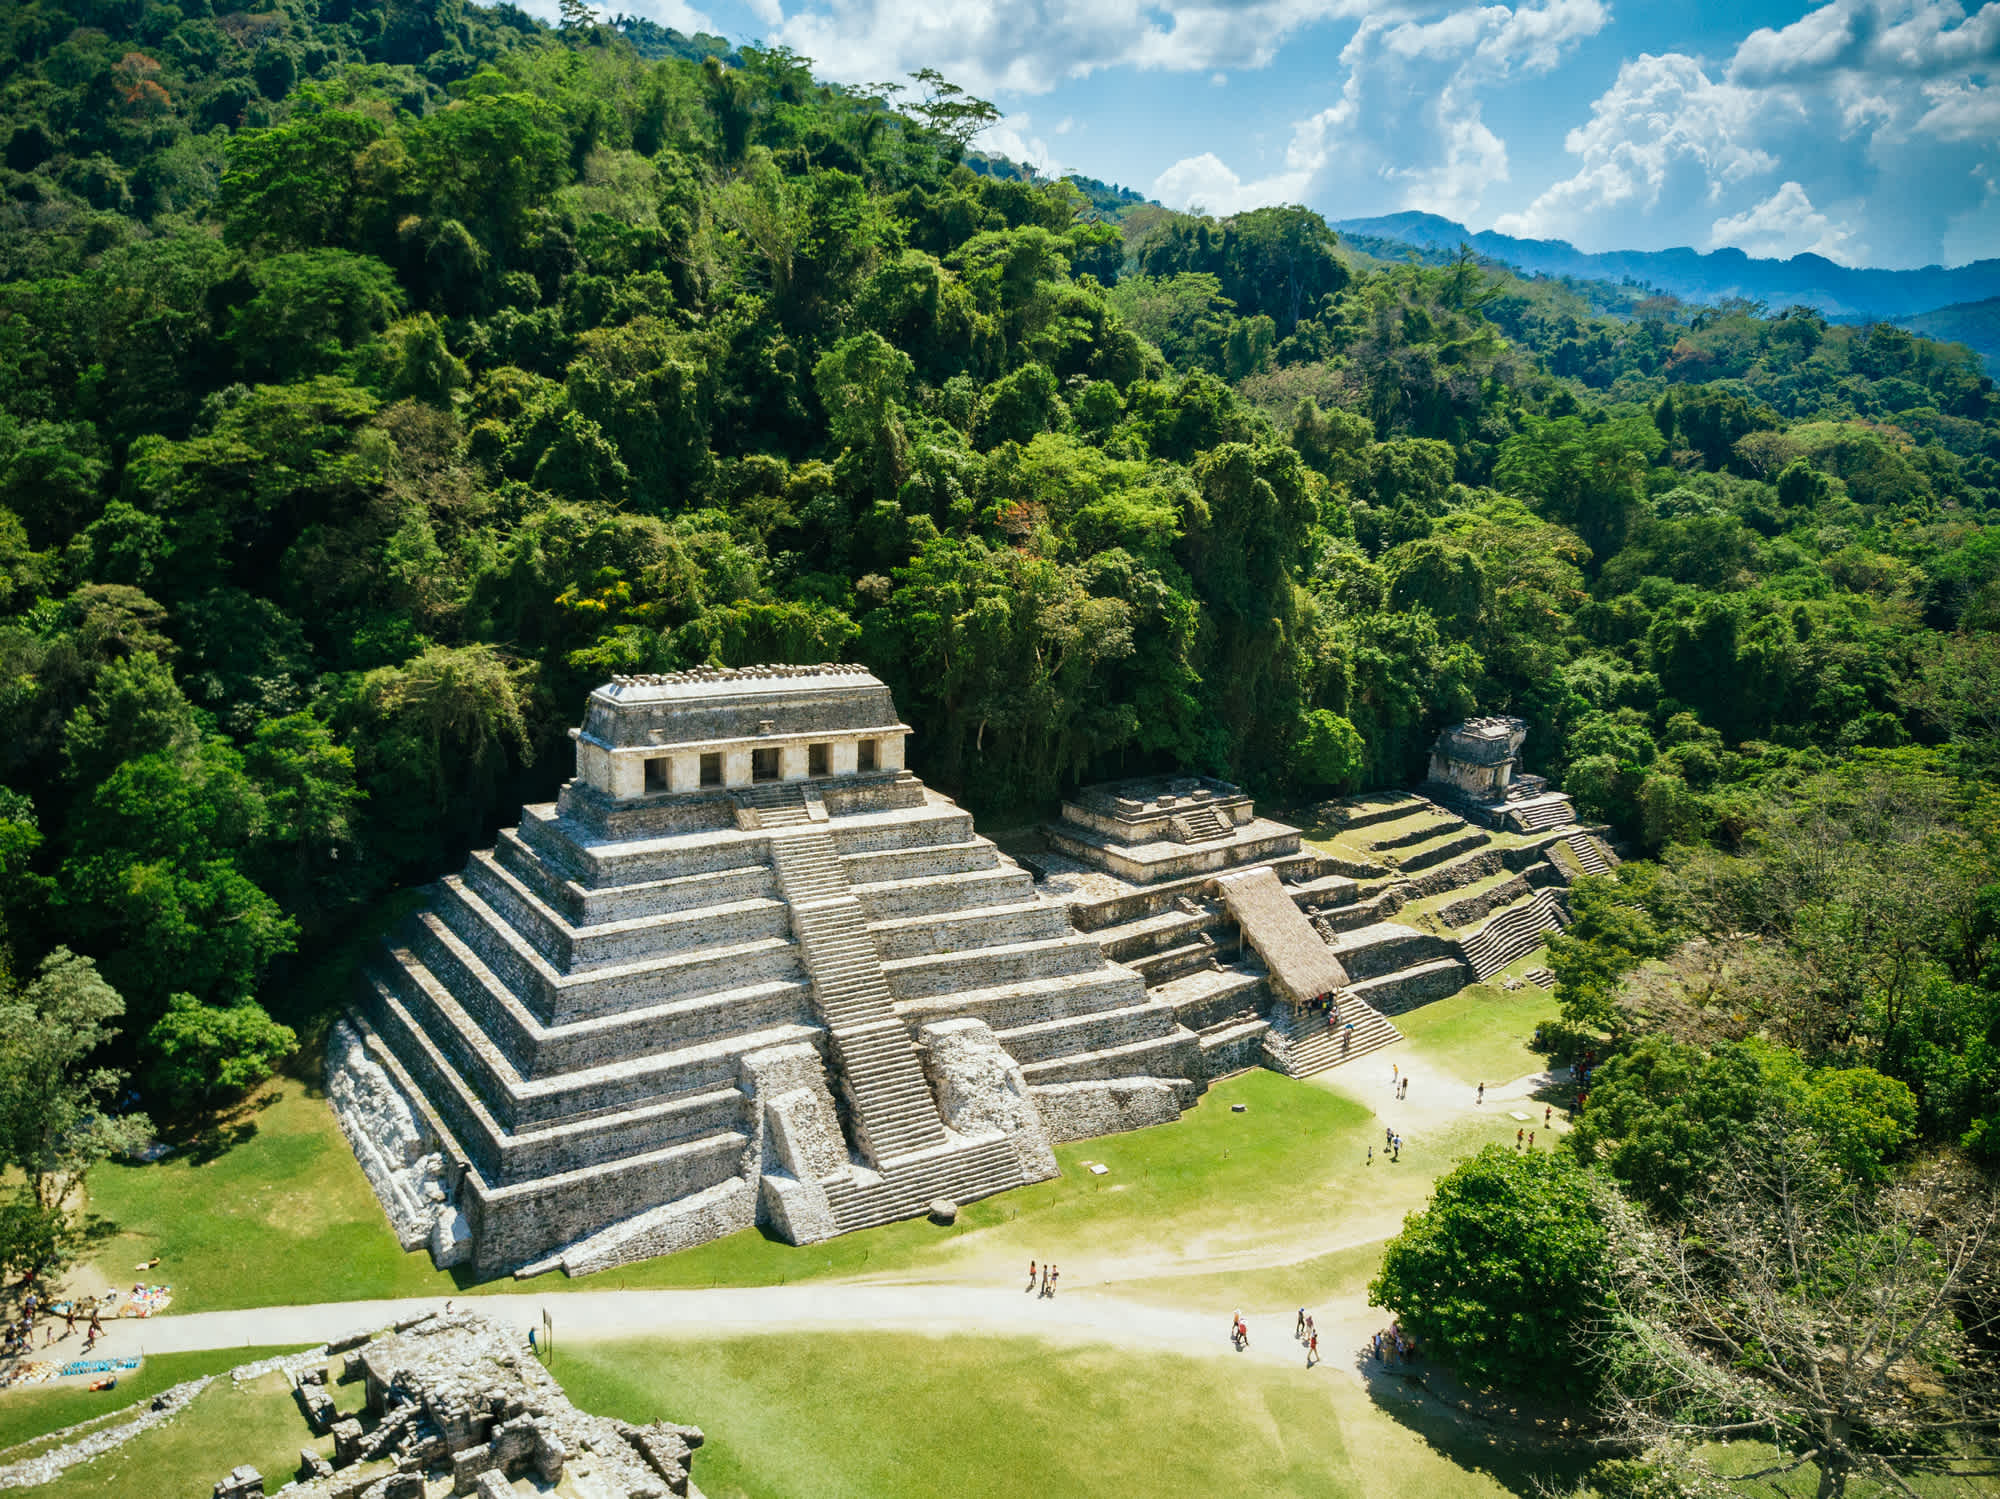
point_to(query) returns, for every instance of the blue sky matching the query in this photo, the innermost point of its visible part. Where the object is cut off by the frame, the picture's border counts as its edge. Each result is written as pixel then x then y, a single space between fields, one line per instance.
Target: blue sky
pixel 1864 130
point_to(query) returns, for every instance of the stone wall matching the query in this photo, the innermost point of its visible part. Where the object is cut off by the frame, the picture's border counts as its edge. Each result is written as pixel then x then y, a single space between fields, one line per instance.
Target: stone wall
pixel 1108 1106
pixel 980 1088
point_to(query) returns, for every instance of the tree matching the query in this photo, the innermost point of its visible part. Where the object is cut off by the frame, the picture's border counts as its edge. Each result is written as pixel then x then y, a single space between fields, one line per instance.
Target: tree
pixel 1848 1327
pixel 204 1056
pixel 53 1093
pixel 1503 1267
pixel 950 111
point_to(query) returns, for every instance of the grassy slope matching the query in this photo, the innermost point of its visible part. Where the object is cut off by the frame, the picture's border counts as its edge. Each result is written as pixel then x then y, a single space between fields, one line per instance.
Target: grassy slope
pixel 890 1416
pixel 28 1414
pixel 258 1423
pixel 282 1216
pixel 1480 1034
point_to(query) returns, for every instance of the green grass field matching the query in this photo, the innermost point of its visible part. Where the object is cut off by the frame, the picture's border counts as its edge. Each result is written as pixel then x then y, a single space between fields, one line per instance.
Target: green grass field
pixel 258 1423
pixel 1480 1034
pixel 879 1416
pixel 282 1216
pixel 26 1415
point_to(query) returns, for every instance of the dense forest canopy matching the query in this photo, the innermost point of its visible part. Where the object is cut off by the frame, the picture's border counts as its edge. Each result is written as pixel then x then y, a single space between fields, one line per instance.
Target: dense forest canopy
pixel 376 376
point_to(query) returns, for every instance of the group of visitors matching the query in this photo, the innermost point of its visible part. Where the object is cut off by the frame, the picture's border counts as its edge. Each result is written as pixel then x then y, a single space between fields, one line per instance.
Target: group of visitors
pixel 19 1337
pixel 1239 1332
pixel 1049 1275
pixel 1395 1344
pixel 1308 1335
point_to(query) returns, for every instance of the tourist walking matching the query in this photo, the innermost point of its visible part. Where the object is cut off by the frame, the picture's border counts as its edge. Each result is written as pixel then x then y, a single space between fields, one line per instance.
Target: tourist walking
pixel 1299 1327
pixel 1371 1155
pixel 1519 1136
pixel 1031 1275
pixel 1531 1139
pixel 1312 1349
pixel 1054 1276
pixel 1548 1114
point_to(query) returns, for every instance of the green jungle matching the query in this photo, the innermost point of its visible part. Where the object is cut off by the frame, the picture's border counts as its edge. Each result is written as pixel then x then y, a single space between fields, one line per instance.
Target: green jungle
pixel 379 376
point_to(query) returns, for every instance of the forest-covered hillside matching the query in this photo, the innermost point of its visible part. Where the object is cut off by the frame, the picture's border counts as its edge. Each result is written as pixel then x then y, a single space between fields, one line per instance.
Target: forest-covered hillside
pixel 376 376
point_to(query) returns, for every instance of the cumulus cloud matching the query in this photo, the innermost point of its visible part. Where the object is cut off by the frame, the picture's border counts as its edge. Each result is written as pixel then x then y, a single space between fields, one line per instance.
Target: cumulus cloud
pixel 1029 46
pixel 1783 225
pixel 1205 184
pixel 1875 110
pixel 1408 130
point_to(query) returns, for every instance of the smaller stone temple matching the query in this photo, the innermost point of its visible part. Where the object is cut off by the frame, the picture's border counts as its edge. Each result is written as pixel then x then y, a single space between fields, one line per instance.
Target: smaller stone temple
pixel 1476 770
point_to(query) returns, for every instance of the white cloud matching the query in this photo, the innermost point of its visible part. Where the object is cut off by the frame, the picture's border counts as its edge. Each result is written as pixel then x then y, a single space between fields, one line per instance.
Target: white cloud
pixel 1783 225
pixel 1014 137
pixel 1029 46
pixel 1408 130
pixel 1875 110
pixel 1205 184
pixel 1664 133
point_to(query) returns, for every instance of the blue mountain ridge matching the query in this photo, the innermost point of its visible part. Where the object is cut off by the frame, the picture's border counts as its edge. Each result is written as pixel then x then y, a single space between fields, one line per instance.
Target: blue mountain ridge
pixel 1837 291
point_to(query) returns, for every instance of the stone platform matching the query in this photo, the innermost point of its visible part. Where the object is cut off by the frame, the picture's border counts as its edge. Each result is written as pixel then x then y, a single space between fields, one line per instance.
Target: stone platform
pixel 745 970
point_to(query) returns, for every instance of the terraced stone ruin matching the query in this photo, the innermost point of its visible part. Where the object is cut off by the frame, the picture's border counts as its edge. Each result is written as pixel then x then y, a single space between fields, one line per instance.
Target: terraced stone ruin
pixel 747 969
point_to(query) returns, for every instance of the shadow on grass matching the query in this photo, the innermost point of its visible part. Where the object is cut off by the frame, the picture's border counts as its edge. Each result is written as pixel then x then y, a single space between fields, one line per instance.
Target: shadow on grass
pixel 1527 1447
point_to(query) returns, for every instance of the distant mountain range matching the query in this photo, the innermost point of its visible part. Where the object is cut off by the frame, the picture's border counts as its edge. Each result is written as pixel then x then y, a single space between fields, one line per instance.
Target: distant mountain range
pixel 1838 291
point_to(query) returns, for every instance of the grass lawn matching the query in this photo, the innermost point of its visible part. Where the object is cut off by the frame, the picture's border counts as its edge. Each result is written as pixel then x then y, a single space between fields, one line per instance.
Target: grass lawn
pixel 1214 1182
pixel 893 1416
pixel 281 1216
pixel 1481 1034
pixel 284 1215
pixel 28 1414
pixel 257 1423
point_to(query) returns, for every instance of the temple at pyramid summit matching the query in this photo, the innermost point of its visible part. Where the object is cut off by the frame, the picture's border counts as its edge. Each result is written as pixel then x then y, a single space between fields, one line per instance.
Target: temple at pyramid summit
pixel 748 970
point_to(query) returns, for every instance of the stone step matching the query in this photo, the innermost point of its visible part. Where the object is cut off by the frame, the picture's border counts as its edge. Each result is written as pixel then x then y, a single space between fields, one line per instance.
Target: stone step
pixel 533 1047
pixel 985 967
pixel 1199 1000
pixel 1308 1046
pixel 1512 933
pixel 962 1172
pixel 506 1157
pixel 889 900
pixel 1547 814
pixel 1589 857
pixel 892 1104
pixel 556 999
pixel 983 926
pixel 1126 940
pixel 575 949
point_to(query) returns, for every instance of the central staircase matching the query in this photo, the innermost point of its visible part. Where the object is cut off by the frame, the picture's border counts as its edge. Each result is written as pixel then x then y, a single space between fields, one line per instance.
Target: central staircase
pixel 1306 1045
pixel 894 1113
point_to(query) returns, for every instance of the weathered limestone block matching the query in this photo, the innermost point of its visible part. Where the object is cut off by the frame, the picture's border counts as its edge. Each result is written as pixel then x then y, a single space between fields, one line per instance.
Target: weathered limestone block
pixel 313 1465
pixel 396 1149
pixel 396 1486
pixel 493 1484
pixel 347 1440
pixel 1106 1106
pixel 980 1089
pixel 792 1079
pixel 318 1407
pixel 242 1483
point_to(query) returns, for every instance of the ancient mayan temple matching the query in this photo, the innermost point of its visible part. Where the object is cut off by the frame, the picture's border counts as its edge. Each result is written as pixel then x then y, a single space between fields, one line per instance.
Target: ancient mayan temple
pixel 745 969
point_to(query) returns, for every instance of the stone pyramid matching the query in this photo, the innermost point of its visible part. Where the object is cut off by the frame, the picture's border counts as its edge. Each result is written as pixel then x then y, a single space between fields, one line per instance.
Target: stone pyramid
pixel 745 970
